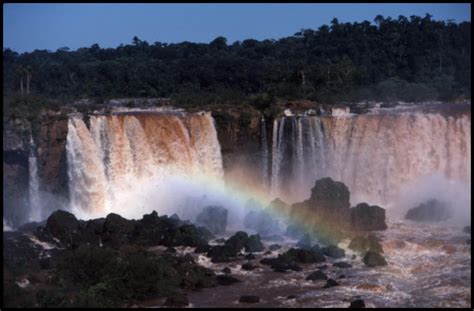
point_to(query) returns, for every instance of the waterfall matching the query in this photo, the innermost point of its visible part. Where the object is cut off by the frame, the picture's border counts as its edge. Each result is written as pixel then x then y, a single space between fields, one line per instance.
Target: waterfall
pixel 33 184
pixel 373 154
pixel 264 143
pixel 122 159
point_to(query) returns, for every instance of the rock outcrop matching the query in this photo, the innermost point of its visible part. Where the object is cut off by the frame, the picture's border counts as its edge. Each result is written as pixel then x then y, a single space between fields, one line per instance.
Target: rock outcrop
pixel 214 218
pixel 429 211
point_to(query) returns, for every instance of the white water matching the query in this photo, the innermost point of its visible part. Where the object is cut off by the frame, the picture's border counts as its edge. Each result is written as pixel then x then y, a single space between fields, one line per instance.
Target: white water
pixel 264 143
pixel 374 155
pixel 132 164
pixel 34 197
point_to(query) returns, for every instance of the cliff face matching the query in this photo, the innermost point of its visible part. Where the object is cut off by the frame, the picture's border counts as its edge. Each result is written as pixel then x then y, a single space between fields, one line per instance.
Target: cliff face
pixel 15 169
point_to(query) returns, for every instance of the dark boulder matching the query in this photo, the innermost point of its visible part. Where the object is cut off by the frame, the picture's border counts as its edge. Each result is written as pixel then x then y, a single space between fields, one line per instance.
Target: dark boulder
pixel 150 229
pixel 358 303
pixel 226 270
pixel 248 266
pixel 31 227
pixel 367 217
pixel 187 235
pixel 249 299
pixel 236 242
pixel 373 259
pixel 328 194
pixel 117 231
pixel 333 251
pixel 430 211
pixel 64 227
pixel 291 297
pixel 213 218
pixel 253 244
pixel 226 280
pixel 203 248
pixel 342 264
pixel 331 283
pixel 316 276
pixel 302 256
pixel 220 253
pixel 249 256
pixel 274 247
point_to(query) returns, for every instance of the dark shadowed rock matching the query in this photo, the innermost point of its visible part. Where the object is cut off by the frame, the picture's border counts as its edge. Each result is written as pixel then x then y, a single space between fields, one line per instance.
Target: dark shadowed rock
pixel 358 303
pixel 331 283
pixel 274 247
pixel 220 253
pixel 31 227
pixel 317 276
pixel 467 229
pixel 253 244
pixel 226 270
pixel 226 280
pixel 373 259
pixel 249 299
pixel 329 194
pixel 302 256
pixel 268 253
pixel 333 251
pixel 367 218
pixel 116 230
pixel 430 211
pixel 248 266
pixel 213 218
pixel 291 297
pixel 342 264
pixel 203 248
pixel 362 244
pixel 236 242
pixel 63 227
pixel 249 256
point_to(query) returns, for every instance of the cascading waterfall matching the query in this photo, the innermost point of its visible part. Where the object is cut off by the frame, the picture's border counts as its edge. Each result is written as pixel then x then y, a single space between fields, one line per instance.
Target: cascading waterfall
pixel 264 143
pixel 122 158
pixel 33 184
pixel 373 154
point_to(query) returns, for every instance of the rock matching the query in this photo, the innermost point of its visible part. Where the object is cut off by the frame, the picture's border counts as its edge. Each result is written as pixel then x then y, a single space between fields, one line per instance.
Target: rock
pixel 358 303
pixel 249 256
pixel 186 235
pixel 248 266
pixel 213 218
pixel 330 195
pixel 342 276
pixel 150 229
pixel 226 270
pixel 31 227
pixel 291 297
pixel 65 227
pixel 261 221
pixel 116 231
pixel 176 300
pixel 430 211
pixel 362 244
pixel 373 259
pixel 220 253
pixel 249 299
pixel 342 264
pixel 171 250
pixel 304 242
pixel 316 276
pixel 331 283
pixel 333 251
pixel 254 244
pixel 226 280
pixel 323 267
pixel 236 242
pixel 367 218
pixel 302 256
pixel 467 229
pixel 274 247
pixel 203 248
pixel 267 253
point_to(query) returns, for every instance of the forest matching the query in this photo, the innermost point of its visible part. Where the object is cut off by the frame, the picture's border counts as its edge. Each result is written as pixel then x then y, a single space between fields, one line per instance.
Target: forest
pixel 408 59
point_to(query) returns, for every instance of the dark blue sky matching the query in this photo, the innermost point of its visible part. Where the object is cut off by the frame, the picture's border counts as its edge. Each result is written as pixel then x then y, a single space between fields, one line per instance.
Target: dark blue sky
pixel 27 27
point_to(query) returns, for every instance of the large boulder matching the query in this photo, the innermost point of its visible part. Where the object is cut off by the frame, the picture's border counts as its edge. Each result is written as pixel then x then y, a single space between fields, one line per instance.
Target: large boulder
pixel 213 218
pixel 237 242
pixel 333 251
pixel 373 259
pixel 64 228
pixel 314 255
pixel 363 244
pixel 328 194
pixel 429 211
pixel 366 217
pixel 253 244
pixel 117 231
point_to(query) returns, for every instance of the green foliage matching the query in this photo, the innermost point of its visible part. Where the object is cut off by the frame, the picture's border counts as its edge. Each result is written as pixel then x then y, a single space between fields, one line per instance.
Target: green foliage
pixel 336 62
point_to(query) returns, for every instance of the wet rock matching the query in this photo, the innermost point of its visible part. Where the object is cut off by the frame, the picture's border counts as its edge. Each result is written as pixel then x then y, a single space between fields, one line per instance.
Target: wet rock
pixel 333 251
pixel 236 242
pixel 116 231
pixel 268 261
pixel 64 227
pixel 31 227
pixel 291 297
pixel 274 247
pixel 358 303
pixel 373 259
pixel 248 267
pixel 249 256
pixel 331 283
pixel 362 244
pixel 467 229
pixel 226 280
pixel 342 264
pixel 220 253
pixel 302 256
pixel 214 218
pixel 330 195
pixel 254 244
pixel 203 248
pixel 368 218
pixel 316 276
pixel 429 211
pixel 177 300
pixel 249 299
pixel 226 270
